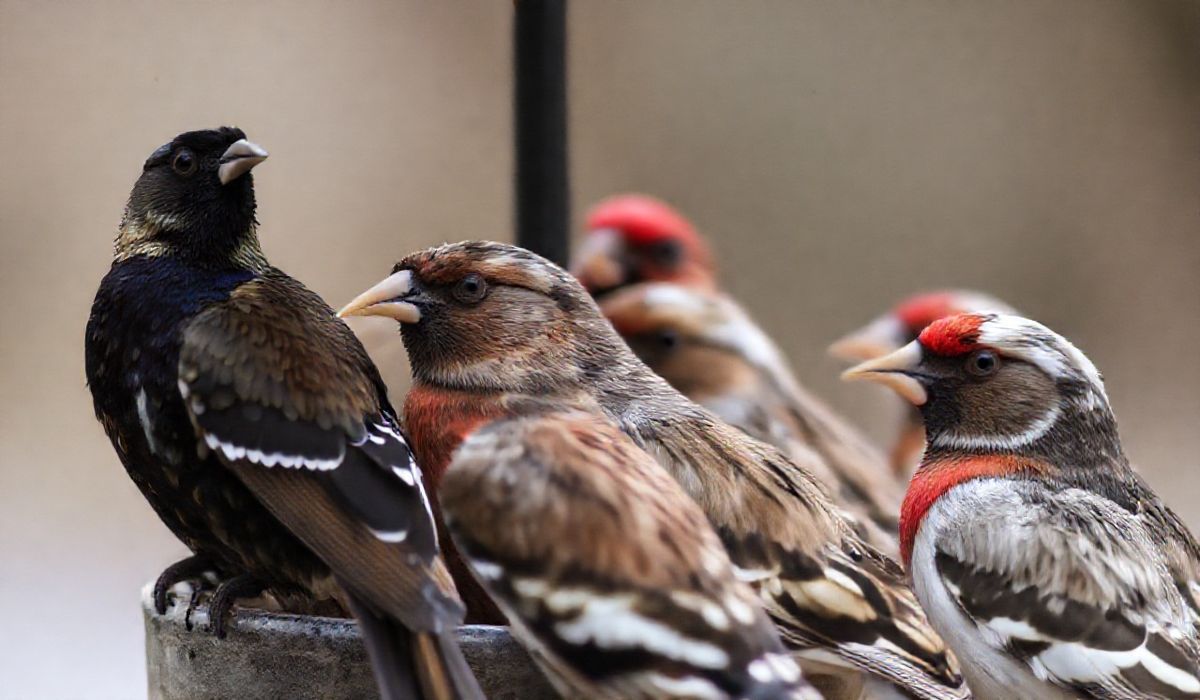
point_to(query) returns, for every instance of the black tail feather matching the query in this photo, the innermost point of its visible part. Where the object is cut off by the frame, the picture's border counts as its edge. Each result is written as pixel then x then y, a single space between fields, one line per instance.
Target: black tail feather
pixel 411 666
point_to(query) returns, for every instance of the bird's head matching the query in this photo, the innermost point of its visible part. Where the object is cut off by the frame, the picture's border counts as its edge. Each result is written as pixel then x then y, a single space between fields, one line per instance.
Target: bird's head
pixel 992 383
pixel 904 322
pixel 634 238
pixel 489 316
pixel 195 197
pixel 700 341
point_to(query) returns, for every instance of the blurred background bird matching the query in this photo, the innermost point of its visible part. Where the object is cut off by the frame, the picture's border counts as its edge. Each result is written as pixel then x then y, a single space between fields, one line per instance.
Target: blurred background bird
pixel 710 350
pixel 607 570
pixel 256 426
pixel 899 327
pixel 494 331
pixel 1046 563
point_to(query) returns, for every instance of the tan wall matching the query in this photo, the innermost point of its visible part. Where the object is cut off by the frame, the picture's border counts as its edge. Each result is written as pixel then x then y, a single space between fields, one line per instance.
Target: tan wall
pixel 840 154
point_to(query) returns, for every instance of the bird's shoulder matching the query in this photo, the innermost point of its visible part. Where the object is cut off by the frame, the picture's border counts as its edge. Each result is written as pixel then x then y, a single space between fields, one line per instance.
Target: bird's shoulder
pixel 275 343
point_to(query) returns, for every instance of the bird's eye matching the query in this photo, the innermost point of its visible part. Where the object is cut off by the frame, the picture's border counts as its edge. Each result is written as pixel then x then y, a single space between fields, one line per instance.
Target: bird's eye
pixel 470 289
pixel 666 253
pixel 668 338
pixel 982 363
pixel 184 162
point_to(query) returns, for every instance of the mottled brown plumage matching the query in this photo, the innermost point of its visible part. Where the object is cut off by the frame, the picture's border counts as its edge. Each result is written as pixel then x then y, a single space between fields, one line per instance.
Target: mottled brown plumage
pixel 609 572
pixel 709 349
pixel 498 321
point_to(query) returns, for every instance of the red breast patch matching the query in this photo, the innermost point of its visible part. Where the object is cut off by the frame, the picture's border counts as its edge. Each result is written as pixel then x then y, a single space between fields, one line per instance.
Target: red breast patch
pixel 934 479
pixel 438 420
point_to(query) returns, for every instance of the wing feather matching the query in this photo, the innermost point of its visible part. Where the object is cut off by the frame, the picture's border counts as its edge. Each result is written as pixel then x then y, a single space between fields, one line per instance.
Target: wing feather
pixel 285 395
pixel 1075 587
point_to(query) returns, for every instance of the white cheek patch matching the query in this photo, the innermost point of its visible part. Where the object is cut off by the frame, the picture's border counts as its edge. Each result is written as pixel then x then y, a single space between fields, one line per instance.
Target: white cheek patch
pixel 959 440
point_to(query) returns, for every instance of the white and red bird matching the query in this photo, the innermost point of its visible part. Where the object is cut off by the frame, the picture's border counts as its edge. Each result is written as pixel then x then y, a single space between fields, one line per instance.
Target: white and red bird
pixel 1048 566
pixel 900 326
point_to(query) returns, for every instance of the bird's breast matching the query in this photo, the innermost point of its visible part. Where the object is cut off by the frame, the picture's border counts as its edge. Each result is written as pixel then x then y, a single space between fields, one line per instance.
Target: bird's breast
pixel 937 476
pixel 437 421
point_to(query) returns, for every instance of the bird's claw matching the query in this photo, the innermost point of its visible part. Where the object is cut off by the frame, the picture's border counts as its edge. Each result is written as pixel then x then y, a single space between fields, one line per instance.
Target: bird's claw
pixel 189 568
pixel 227 593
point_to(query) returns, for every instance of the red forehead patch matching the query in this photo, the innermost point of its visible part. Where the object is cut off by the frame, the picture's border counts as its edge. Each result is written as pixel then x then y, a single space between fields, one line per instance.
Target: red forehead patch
pixel 643 219
pixel 923 309
pixel 955 335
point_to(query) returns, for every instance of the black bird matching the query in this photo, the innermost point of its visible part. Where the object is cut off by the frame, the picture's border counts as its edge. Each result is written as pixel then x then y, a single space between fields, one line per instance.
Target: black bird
pixel 256 426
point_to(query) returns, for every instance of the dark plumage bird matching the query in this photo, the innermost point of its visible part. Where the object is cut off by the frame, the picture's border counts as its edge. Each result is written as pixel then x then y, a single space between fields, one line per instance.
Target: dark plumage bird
pixel 255 424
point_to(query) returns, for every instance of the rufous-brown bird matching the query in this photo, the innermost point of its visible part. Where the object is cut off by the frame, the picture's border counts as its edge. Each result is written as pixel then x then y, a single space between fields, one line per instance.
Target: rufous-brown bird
pixel 608 572
pixel 895 329
pixel 494 331
pixel 709 349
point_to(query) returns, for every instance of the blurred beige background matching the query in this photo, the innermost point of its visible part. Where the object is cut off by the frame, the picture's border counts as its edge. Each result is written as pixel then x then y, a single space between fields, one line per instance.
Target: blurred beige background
pixel 840 154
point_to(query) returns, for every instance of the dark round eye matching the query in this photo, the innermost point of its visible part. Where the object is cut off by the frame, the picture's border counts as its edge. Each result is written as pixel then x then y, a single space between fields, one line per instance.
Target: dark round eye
pixel 667 338
pixel 184 162
pixel 470 289
pixel 982 363
pixel 666 253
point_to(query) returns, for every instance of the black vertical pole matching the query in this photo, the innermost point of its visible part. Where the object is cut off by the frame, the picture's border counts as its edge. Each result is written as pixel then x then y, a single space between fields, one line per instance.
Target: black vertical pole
pixel 543 215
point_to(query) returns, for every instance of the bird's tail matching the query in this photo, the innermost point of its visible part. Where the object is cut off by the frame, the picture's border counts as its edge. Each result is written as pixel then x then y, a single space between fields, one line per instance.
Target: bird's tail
pixel 409 665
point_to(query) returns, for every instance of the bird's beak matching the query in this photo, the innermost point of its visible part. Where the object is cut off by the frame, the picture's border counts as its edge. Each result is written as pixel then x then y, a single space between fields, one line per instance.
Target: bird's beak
pixel 877 338
pixel 239 159
pixel 899 370
pixel 384 299
pixel 599 261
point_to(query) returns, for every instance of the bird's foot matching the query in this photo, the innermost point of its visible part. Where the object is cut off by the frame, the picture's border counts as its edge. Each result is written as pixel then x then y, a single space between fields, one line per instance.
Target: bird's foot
pixel 227 593
pixel 193 567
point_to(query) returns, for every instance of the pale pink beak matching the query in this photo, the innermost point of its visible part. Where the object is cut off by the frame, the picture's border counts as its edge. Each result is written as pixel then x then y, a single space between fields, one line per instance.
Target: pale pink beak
pixel 895 371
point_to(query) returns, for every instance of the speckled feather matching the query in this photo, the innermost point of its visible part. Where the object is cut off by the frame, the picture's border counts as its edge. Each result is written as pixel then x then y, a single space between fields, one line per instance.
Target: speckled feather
pixel 538 340
pixel 604 560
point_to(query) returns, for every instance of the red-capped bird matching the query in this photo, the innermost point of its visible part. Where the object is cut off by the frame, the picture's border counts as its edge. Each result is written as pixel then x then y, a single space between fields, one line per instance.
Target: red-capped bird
pixel 901 326
pixel 709 349
pixel 634 238
pixel 1049 567
pixel 494 331
pixel 608 572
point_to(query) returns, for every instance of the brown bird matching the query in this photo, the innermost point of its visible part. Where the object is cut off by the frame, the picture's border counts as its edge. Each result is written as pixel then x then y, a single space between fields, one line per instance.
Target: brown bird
pixel 494 331
pixel 709 349
pixel 607 571
pixel 899 327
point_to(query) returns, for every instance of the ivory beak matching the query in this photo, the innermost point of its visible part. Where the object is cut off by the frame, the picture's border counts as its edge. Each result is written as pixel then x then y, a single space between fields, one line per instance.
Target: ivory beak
pixel 239 159
pixel 896 371
pixel 877 338
pixel 599 264
pixel 384 300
